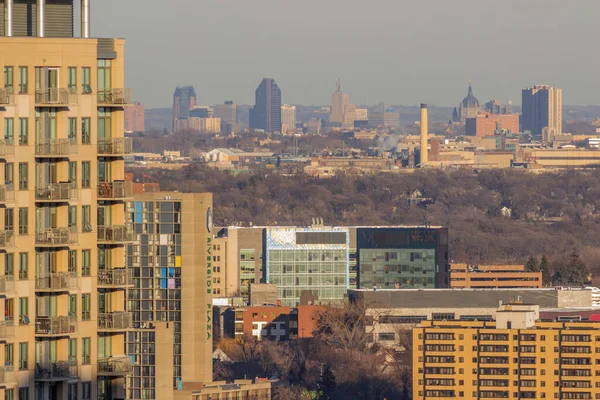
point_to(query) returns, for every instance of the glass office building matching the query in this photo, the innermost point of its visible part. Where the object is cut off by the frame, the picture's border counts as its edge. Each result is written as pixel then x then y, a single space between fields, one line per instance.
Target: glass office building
pixel 402 257
pixel 313 259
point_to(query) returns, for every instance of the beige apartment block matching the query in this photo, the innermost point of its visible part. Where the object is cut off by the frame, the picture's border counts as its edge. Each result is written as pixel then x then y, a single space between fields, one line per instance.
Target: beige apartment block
pixel 63 236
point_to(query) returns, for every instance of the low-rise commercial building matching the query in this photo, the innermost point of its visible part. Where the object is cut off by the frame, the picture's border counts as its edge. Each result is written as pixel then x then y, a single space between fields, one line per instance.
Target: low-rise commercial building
pixel 260 389
pixel 493 276
pixel 513 357
pixel 485 124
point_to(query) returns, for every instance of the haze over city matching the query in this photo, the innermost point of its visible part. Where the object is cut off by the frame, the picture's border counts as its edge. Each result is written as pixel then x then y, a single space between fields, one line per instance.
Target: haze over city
pixel 384 50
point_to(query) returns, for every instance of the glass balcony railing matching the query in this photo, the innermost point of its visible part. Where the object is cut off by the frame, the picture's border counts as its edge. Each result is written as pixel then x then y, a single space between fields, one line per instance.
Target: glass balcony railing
pixel 7 96
pixel 7 239
pixel 7 193
pixel 56 237
pixel 52 97
pixel 55 371
pixel 56 148
pixel 115 97
pixel 55 326
pixel 115 234
pixel 7 329
pixel 118 320
pixel 7 148
pixel 63 191
pixel 115 278
pixel 115 366
pixel 56 282
pixel 115 147
pixel 115 190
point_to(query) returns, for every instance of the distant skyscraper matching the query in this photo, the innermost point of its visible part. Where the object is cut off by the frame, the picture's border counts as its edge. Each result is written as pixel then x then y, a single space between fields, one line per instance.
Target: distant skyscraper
pixel 266 113
pixel 380 116
pixel 469 108
pixel 288 118
pixel 227 112
pixel 496 107
pixel 542 107
pixel 339 102
pixel 134 118
pixel 184 99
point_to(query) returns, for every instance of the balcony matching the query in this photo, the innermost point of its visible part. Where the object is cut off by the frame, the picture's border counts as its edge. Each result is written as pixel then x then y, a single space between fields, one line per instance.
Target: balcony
pixel 115 278
pixel 7 148
pixel 56 237
pixel 115 147
pixel 52 97
pixel 7 330
pixel 115 234
pixel 59 148
pixel 55 371
pixel 115 321
pixel 115 190
pixel 56 282
pixel 7 97
pixel 7 193
pixel 55 326
pixel 7 239
pixel 7 284
pixel 57 192
pixel 6 375
pixel 114 97
pixel 115 366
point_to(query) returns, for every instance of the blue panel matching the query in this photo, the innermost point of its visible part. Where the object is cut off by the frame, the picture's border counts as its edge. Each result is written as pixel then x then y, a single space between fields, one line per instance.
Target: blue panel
pixel 163 272
pixel 171 272
pixel 163 283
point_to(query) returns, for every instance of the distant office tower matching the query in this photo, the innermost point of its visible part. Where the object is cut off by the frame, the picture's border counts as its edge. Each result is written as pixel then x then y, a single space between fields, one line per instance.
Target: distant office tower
pixel 349 116
pixel 361 114
pixel 266 113
pixel 184 99
pixel 205 125
pixel 134 118
pixel 339 101
pixel 227 112
pixel 170 339
pixel 380 116
pixel 288 118
pixel 469 107
pixel 496 107
pixel 542 107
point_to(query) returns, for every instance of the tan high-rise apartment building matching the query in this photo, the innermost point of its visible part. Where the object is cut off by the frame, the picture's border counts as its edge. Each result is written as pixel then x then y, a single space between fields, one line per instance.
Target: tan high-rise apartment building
pixel 63 236
pixel 134 118
pixel 288 118
pixel 172 262
pixel 339 101
pixel 542 108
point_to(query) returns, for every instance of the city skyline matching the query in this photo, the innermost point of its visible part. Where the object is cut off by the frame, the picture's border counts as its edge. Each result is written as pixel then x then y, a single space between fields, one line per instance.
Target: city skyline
pixel 427 66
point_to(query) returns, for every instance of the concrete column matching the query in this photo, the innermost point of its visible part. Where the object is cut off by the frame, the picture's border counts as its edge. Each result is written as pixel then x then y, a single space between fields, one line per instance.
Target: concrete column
pixel 424 134
pixel 41 18
pixel 8 17
pixel 85 18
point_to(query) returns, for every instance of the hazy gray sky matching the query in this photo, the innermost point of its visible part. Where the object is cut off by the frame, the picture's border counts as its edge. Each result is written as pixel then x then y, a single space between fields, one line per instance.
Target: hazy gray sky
pixel 399 51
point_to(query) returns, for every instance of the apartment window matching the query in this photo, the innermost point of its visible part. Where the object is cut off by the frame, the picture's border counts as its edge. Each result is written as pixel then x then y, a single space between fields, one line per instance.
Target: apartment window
pixel 86 390
pixel 9 174
pixel 86 220
pixel 85 351
pixel 86 87
pixel 73 172
pixel 23 266
pixel 72 390
pixel 23 355
pixel 23 176
pixel 72 123
pixel 85 131
pixel 23 131
pixel 9 394
pixel 23 309
pixel 73 351
pixel 73 305
pixel 72 217
pixel 9 130
pixel 85 262
pixel 85 307
pixel 9 77
pixel 23 80
pixel 85 174
pixel 8 354
pixel 104 123
pixel 24 393
pixel 9 219
pixel 23 221
pixel 72 72
pixel 73 261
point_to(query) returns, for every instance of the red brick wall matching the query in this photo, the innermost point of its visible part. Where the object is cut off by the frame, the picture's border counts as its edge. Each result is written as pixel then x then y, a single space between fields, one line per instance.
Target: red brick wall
pixel 485 124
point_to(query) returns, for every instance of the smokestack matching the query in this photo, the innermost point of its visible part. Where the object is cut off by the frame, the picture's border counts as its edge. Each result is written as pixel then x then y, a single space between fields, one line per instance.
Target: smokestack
pixel 8 17
pixel 41 18
pixel 85 19
pixel 424 129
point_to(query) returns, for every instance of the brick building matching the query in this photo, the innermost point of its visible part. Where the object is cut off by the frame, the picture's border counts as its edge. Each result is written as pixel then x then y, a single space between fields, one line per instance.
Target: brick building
pixel 134 118
pixel 486 124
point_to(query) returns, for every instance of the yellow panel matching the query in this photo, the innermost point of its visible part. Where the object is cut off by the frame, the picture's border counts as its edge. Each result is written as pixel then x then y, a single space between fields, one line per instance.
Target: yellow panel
pixel 178 261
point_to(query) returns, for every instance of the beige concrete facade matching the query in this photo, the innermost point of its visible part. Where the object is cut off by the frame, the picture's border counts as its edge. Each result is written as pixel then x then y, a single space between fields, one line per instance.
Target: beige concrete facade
pixel 63 238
